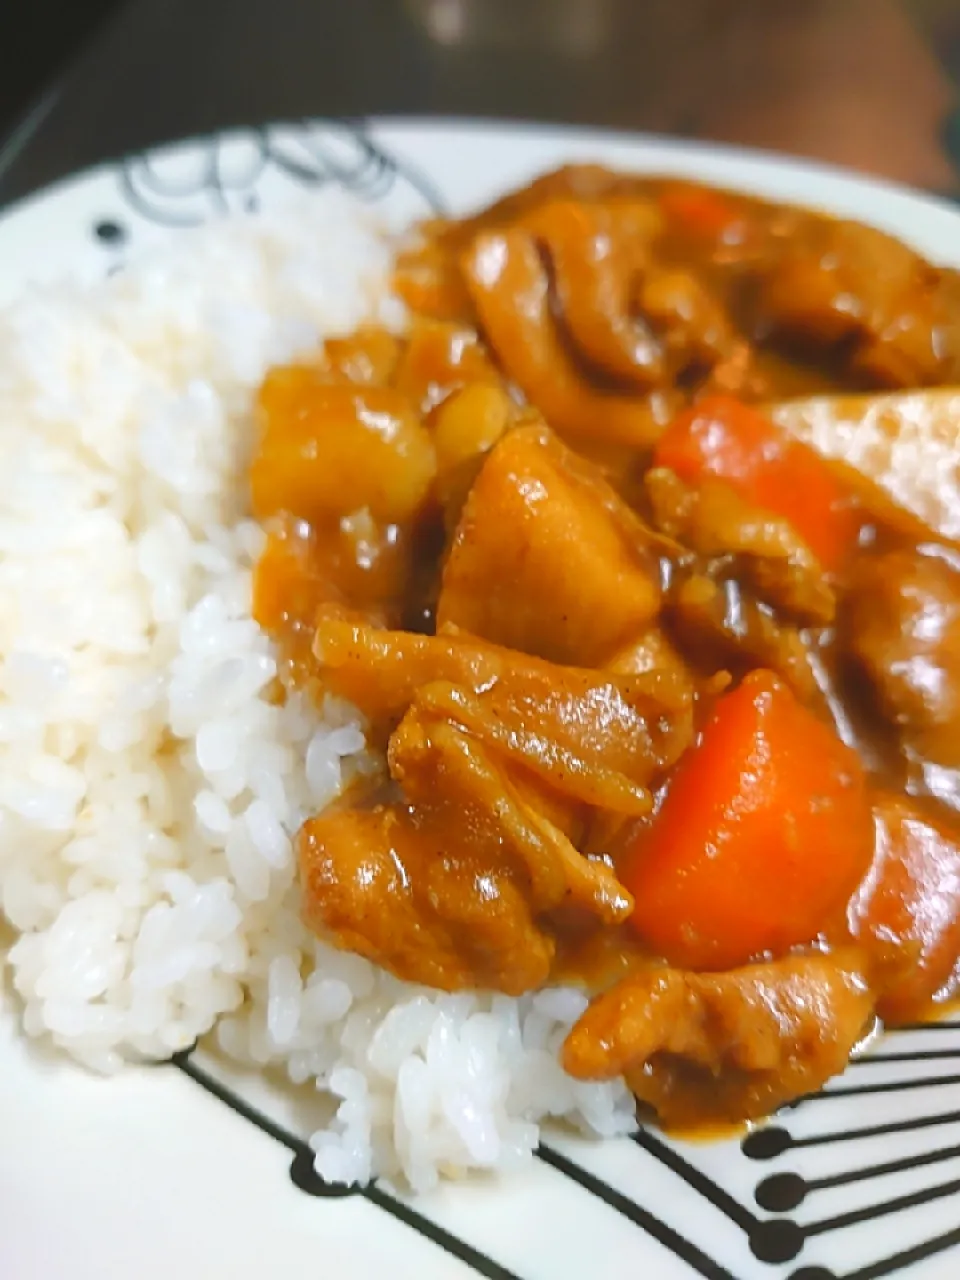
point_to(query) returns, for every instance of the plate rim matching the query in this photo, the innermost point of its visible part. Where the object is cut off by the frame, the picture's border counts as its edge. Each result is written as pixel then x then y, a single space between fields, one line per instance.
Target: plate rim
pixel 556 131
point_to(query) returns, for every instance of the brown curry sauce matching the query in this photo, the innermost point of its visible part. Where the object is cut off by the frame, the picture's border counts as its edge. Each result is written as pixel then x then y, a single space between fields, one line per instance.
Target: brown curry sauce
pixel 410 483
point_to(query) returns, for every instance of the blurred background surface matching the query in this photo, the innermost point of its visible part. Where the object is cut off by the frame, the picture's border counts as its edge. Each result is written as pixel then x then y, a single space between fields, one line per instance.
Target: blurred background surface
pixel 872 84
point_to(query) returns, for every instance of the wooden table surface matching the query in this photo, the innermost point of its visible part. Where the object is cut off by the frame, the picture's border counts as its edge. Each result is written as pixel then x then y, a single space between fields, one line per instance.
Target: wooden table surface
pixel 864 83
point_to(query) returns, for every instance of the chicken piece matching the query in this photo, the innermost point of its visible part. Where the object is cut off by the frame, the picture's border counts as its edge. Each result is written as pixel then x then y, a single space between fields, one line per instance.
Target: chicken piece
pixel 452 917
pixel 510 288
pixel 428 276
pixel 695 335
pixel 547 558
pixel 715 521
pixel 728 1046
pixel 901 626
pixel 907 912
pixel 596 252
pixel 380 671
pixel 606 830
pixel 463 795
pixel 718 627
pixel 328 450
pixel 581 742
pixel 578 183
pixel 445 887
pixel 850 285
pixel 652 652
pixel 589 734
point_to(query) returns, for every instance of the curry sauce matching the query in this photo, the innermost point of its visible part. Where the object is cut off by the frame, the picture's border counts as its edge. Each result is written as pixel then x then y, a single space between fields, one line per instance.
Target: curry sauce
pixel 668 703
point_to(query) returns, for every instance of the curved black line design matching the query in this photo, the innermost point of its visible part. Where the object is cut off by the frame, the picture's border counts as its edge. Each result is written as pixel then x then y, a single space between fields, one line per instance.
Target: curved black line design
pixel 302 1173
pixel 230 167
pixel 861 1090
pixel 901 1261
pixel 888 1266
pixel 774 1241
pixel 684 1249
pixel 773 1141
pixel 698 1181
pixel 767 1143
pixel 921 1055
pixel 306 1179
pixel 479 1262
pixel 881 1210
pixel 785 1192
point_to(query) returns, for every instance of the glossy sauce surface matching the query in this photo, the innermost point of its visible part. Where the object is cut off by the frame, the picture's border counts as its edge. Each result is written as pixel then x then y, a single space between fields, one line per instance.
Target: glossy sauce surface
pixel 545 544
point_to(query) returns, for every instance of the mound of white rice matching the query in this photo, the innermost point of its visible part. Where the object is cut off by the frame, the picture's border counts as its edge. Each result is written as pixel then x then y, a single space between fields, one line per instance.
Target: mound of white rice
pixel 149 785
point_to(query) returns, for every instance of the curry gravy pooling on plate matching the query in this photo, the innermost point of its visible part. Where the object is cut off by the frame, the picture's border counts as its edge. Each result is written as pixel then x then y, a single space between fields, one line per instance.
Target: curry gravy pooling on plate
pixel 667 701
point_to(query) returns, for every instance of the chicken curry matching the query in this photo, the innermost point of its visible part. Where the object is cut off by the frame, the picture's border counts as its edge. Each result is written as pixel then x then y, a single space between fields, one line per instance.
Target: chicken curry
pixel 618 550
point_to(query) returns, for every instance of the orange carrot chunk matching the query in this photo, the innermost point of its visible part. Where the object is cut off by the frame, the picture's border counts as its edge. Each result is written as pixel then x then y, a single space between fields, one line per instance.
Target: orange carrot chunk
pixel 764 833
pixel 722 437
pixel 701 212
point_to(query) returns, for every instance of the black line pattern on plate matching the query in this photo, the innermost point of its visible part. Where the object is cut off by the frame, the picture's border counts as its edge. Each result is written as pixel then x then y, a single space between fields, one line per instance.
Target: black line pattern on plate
pixel 784 1192
pixel 697 1181
pixel 775 1240
pixel 226 170
pixel 772 1140
pixel 780 1240
pixel 304 1176
pixel 887 1086
pixel 695 1258
pixel 302 1172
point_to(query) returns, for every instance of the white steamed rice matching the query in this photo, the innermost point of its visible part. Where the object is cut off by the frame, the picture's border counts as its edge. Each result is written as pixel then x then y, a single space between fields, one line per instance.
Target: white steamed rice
pixel 149 785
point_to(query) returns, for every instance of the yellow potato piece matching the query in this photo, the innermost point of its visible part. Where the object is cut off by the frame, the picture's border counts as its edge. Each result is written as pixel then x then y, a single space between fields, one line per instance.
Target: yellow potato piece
pixel 329 449
pixel 545 558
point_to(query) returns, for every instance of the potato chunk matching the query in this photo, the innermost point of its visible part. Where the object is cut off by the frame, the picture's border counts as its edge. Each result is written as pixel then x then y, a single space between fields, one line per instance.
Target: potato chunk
pixel 547 558
pixel 331 449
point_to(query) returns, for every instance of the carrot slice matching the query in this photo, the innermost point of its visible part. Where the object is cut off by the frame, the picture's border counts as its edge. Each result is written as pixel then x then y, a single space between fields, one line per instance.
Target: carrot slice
pixel 764 833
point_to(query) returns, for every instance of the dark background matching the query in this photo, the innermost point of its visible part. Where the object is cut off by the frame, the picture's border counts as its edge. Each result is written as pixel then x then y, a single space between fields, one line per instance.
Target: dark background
pixel 38 38
pixel 871 84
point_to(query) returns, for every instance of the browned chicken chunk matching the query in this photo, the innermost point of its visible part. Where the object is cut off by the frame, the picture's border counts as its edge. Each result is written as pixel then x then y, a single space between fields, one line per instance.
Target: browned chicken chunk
pixel 377 884
pixel 472 857
pixel 599 736
pixel 901 625
pixel 715 521
pixel 725 1046
pixel 498 756
pixel 850 284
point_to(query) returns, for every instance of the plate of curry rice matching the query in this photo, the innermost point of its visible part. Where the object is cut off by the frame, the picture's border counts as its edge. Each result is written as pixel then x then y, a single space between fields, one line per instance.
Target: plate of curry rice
pixel 479 713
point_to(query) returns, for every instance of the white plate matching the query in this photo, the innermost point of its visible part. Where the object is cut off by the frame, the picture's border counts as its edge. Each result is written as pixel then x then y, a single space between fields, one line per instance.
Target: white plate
pixel 159 1174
